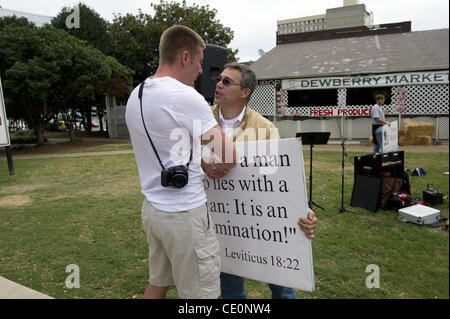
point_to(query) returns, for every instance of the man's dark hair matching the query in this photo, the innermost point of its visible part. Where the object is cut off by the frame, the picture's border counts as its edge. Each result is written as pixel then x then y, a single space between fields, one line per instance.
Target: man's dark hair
pixel 380 97
pixel 248 77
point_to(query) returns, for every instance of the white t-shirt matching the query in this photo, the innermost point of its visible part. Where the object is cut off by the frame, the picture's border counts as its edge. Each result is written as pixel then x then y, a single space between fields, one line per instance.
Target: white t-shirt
pixel 174 114
pixel 377 113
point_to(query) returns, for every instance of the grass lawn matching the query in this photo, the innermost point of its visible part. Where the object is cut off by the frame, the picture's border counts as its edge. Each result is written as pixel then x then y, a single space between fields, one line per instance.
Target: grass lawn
pixel 55 212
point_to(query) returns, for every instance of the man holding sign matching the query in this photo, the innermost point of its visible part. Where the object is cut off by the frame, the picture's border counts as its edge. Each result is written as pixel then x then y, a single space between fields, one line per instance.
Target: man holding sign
pixel 378 121
pixel 233 90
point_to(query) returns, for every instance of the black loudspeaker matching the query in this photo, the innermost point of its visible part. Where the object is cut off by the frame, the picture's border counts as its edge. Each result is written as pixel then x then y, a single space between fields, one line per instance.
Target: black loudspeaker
pixel 366 192
pixel 387 164
pixel 214 58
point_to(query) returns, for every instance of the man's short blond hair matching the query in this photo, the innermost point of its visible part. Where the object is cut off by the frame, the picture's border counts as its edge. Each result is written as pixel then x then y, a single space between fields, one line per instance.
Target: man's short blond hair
pixel 176 39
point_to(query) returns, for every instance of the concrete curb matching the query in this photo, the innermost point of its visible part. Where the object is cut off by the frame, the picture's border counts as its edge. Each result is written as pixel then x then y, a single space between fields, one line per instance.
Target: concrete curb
pixel 12 290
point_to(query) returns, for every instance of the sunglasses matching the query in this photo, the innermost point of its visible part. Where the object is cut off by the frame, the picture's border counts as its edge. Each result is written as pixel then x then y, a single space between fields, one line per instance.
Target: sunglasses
pixel 226 81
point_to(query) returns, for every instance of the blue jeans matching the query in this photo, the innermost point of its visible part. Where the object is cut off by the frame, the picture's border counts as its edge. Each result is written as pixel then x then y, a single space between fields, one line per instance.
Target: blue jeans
pixel 378 141
pixel 232 287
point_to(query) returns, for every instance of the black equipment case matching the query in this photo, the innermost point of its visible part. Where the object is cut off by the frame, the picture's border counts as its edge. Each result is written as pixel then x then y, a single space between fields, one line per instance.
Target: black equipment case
pixel 432 196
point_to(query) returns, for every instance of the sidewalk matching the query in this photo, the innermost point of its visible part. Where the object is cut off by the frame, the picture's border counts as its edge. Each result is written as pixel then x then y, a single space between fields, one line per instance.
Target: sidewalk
pixel 27 156
pixel 11 290
pixel 89 139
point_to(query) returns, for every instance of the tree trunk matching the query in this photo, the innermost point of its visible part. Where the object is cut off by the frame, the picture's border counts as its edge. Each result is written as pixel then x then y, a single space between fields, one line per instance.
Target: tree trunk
pixel 88 113
pixel 39 130
pixel 70 123
pixel 71 135
pixel 100 119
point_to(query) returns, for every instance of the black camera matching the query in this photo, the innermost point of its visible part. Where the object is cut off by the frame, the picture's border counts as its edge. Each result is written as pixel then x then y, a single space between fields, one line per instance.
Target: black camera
pixel 175 176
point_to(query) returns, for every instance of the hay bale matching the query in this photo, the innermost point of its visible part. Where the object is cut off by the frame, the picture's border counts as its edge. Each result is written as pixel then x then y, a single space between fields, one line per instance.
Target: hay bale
pixel 414 133
pixel 416 128
pixel 423 140
pixel 414 140
pixel 401 133
pixel 402 140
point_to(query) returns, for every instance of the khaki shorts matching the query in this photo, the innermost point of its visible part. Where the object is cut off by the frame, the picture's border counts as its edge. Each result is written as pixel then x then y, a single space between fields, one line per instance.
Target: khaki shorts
pixel 183 250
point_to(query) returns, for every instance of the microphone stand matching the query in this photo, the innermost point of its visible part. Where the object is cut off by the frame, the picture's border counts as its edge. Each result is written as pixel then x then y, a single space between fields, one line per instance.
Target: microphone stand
pixel 342 209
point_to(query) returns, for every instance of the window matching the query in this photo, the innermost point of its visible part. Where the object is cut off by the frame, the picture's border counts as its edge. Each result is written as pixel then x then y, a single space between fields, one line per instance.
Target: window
pixel 366 96
pixel 327 97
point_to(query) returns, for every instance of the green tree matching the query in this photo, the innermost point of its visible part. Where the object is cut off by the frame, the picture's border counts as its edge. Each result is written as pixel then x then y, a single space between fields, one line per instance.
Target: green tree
pixel 202 19
pixel 93 28
pixel 136 38
pixel 39 60
pixel 46 71
pixel 13 50
pixel 135 44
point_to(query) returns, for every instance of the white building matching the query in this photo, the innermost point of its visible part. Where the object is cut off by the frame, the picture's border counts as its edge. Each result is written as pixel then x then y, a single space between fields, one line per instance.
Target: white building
pixel 352 14
pixel 38 20
pixel 305 83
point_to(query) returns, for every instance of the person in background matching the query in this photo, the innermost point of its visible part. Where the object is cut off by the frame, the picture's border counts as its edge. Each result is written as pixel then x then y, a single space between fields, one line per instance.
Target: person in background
pixel 378 121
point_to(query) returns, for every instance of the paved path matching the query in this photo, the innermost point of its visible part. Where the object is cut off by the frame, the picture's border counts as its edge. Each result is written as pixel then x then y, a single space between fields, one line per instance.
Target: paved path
pixel 85 154
pixel 11 290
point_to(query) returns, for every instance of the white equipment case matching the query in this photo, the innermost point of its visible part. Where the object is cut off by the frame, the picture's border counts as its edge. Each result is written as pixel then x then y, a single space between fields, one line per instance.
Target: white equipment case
pixel 419 214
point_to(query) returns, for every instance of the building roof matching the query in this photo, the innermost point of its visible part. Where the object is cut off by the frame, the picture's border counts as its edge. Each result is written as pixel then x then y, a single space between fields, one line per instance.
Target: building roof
pixel 387 53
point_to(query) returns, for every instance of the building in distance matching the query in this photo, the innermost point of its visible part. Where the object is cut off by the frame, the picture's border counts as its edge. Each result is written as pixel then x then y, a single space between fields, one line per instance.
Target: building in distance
pixel 38 20
pixel 352 14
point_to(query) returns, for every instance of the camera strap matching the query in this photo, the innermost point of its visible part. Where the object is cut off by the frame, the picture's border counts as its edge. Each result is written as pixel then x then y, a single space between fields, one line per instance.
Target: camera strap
pixel 141 90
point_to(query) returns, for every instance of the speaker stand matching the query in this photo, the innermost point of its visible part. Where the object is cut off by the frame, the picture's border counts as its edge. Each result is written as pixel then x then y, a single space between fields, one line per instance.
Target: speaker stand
pixel 342 209
pixel 311 202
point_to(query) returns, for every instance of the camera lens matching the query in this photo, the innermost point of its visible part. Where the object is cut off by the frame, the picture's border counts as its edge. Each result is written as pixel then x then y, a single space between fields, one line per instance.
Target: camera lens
pixel 179 180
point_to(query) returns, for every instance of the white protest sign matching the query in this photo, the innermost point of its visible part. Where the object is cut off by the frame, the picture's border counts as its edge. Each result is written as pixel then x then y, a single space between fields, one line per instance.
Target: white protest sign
pixel 390 137
pixel 4 134
pixel 255 210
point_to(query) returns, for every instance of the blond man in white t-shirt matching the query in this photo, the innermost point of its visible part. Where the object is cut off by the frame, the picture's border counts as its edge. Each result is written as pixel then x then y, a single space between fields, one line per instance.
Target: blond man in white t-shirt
pixel 183 248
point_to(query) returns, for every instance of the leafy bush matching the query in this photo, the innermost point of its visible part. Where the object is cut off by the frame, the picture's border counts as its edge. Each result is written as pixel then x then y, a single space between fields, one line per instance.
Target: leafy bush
pixel 22 133
pixel 52 127
pixel 25 139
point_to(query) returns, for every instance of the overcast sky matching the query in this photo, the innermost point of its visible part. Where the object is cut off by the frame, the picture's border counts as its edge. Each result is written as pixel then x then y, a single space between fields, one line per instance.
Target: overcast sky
pixel 254 22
